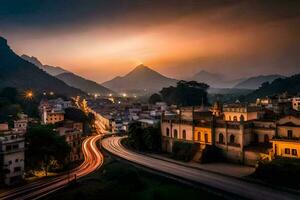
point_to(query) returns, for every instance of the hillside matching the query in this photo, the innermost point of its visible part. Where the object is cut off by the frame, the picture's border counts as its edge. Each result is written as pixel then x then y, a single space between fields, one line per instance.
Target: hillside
pixel 54 71
pixel 142 79
pixel 280 85
pixel 19 73
pixel 255 82
pixel 83 84
pixel 214 80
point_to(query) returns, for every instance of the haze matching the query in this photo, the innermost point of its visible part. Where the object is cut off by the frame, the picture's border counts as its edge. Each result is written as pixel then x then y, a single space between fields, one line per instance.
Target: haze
pixel 103 39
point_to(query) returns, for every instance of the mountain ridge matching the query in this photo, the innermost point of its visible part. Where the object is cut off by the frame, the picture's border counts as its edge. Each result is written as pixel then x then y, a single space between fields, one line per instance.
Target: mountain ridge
pixel 19 73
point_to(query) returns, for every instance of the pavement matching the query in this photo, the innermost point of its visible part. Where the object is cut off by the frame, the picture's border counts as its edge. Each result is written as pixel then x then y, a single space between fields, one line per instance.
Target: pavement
pixel 227 169
pixel 220 182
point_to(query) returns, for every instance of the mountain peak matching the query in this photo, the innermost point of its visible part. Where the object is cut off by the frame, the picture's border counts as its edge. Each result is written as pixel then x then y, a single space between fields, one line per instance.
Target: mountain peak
pixel 33 60
pixel 3 41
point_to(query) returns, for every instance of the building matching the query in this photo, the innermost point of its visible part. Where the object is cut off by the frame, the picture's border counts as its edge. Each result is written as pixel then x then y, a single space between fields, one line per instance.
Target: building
pixel 296 103
pixel 240 112
pixel 239 132
pixel 286 143
pixel 72 132
pixel 12 148
pixel 20 125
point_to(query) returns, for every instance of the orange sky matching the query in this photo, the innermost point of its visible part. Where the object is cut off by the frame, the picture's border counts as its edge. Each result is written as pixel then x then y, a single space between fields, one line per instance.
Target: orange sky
pixel 214 39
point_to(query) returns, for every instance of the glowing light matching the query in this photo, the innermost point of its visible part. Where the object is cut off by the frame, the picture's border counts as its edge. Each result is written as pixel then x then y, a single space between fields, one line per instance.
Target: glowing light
pixel 110 95
pixel 124 95
pixel 51 93
pixel 29 94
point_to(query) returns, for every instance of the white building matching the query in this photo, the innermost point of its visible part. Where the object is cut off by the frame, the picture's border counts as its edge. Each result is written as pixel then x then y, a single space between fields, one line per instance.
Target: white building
pixel 296 103
pixel 12 154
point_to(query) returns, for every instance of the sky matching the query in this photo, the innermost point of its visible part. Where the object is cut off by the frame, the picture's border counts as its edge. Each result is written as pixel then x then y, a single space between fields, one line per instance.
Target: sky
pixel 101 39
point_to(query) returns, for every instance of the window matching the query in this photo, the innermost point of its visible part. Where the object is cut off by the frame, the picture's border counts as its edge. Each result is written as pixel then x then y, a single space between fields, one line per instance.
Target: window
pixel 266 139
pixel 242 118
pixel 235 118
pixel 167 132
pixel 221 138
pixel 294 152
pixel 231 139
pixel 183 134
pixel 287 151
pixel 229 118
pixel 17 169
pixel 290 134
pixel 17 160
pixel 199 136
pixel 206 138
pixel 175 133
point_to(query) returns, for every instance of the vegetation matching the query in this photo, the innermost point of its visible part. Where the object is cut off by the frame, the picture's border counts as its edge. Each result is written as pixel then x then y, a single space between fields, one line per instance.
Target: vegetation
pixel 118 180
pixel 186 93
pixel 14 102
pixel 42 150
pixel 144 139
pixel 154 98
pixel 78 115
pixel 183 151
pixel 281 171
pixel 211 154
pixel 278 86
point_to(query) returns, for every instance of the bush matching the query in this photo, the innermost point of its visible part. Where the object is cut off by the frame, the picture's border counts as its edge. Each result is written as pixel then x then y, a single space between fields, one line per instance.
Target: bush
pixel 183 151
pixel 281 171
pixel 211 154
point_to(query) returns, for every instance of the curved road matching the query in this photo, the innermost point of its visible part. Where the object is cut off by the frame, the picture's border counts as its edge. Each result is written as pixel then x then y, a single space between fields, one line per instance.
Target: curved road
pixel 93 159
pixel 224 183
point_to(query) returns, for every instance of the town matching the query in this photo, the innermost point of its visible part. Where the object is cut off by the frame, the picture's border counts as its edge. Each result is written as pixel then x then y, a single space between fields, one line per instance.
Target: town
pixel 149 100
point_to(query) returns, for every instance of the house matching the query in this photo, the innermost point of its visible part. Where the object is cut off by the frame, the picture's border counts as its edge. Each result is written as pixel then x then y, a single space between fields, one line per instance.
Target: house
pixel 12 155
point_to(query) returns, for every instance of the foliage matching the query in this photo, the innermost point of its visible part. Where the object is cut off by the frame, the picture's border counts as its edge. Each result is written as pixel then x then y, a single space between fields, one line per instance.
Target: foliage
pixel 75 114
pixel 280 171
pixel 183 151
pixel 278 86
pixel 12 103
pixel 144 139
pixel 46 149
pixel 186 93
pixel 211 154
pixel 154 98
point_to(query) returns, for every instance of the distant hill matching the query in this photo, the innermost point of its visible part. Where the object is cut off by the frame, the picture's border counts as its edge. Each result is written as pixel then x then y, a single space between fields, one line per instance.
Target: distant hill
pixel 54 71
pixel 214 80
pixel 83 84
pixel 278 86
pixel 255 82
pixel 19 73
pixel 142 79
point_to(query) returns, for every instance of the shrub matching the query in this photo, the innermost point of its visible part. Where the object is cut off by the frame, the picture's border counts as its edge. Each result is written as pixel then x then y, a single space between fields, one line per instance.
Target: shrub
pixel 183 151
pixel 211 154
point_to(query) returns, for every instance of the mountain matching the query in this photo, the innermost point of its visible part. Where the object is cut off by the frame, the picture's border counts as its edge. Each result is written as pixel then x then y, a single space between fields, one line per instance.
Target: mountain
pixel 255 82
pixel 214 80
pixel 54 71
pixel 19 73
pixel 141 79
pixel 82 83
pixel 278 86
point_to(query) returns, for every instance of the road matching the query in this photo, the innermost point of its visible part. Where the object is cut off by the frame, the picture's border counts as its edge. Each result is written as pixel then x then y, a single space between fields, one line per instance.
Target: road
pixel 93 159
pixel 224 183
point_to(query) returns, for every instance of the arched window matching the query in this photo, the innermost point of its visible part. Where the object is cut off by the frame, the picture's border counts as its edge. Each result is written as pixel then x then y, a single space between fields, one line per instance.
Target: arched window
pixel 221 138
pixel 199 136
pixel 184 134
pixel 266 139
pixel 206 138
pixel 167 132
pixel 231 139
pixel 175 133
pixel 242 118
pixel 235 118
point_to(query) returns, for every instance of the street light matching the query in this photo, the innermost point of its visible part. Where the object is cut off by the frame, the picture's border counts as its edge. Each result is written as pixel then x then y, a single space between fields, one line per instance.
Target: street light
pixel 29 94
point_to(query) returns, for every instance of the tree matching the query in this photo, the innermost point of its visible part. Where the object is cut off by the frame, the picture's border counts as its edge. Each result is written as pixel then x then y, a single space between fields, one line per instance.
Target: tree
pixel 186 93
pixel 154 98
pixel 75 114
pixel 46 149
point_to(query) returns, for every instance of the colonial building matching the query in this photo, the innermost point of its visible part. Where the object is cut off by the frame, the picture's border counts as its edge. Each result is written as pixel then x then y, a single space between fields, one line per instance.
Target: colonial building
pixel 240 131
pixel 286 143
pixel 12 148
